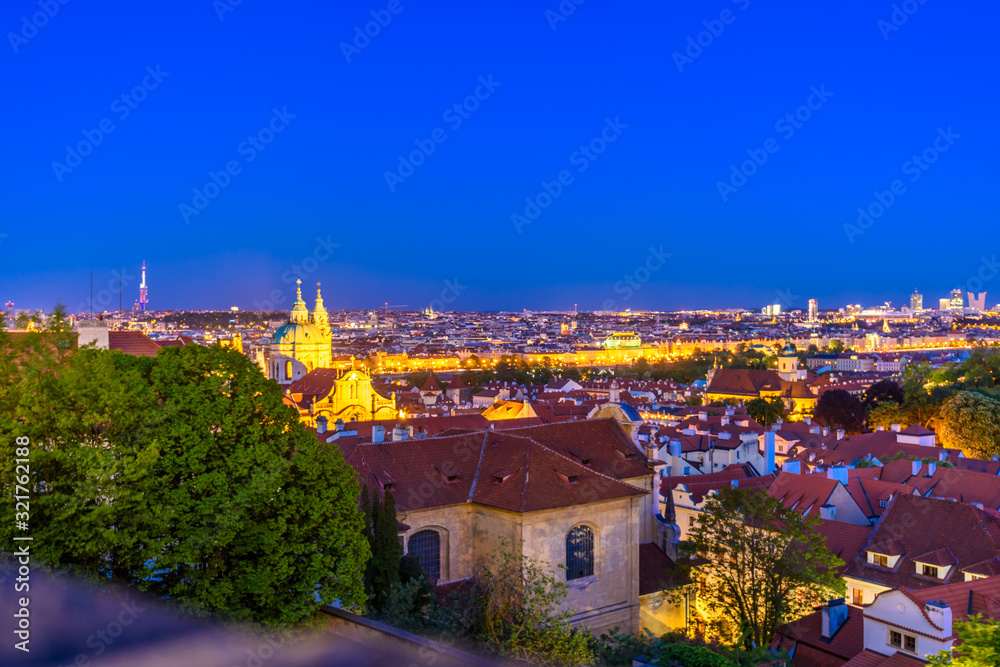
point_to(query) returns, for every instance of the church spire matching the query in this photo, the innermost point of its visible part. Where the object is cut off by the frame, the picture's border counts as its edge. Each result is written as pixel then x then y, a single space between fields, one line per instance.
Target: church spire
pixel 299 312
pixel 320 317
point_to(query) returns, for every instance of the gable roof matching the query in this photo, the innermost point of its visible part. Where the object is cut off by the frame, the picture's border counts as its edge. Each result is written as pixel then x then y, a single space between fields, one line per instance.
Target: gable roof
pixel 913 527
pixel 135 343
pixel 745 382
pixel 504 470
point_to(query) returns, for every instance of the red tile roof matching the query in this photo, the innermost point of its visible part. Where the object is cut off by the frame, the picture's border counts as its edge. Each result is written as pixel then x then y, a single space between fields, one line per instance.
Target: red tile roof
pixel 806 634
pixel 913 526
pixel 497 469
pixel 844 540
pixel 872 659
pixel 657 571
pixel 135 343
pixel 806 493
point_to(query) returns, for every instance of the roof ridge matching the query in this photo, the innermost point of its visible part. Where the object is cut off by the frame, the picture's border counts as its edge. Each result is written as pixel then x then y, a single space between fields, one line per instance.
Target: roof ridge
pixel 479 465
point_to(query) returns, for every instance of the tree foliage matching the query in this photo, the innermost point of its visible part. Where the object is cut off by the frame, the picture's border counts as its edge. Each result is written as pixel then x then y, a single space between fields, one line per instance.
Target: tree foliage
pixel 183 475
pixel 883 391
pixel 766 411
pixel 971 422
pixel 980 645
pixel 838 408
pixel 766 564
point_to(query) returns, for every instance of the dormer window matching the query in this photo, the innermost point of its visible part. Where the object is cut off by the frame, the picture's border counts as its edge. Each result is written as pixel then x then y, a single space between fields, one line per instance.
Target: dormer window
pixel 569 479
pixel 930 571
pixel 880 559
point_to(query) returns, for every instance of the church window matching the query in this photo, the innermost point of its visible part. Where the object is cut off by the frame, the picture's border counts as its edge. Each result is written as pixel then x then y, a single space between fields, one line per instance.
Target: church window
pixel 425 546
pixel 579 552
pixel 288 370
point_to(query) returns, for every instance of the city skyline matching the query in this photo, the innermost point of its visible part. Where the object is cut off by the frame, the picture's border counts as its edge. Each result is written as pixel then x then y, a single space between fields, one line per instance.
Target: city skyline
pixel 418 154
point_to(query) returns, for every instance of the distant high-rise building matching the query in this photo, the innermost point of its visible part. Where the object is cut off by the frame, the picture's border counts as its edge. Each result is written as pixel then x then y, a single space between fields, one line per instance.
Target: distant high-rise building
pixel 774 309
pixel 977 302
pixel 143 290
pixel 916 302
pixel 944 304
pixel 853 310
pixel 813 310
pixel 956 299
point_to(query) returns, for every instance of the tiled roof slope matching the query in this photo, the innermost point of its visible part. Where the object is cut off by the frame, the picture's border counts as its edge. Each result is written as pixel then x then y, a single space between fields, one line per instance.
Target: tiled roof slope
pixel 496 469
pixel 913 526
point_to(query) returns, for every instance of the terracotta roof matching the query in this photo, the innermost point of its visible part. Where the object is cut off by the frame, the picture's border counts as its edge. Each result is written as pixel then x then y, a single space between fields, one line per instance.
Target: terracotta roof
pixel 872 659
pixel 456 382
pixel 942 557
pixel 135 343
pixel 913 526
pixel 844 540
pixel 744 381
pixel 657 572
pixel 497 469
pixel 612 452
pixel 431 384
pixel 699 485
pixel 807 633
pixel 806 493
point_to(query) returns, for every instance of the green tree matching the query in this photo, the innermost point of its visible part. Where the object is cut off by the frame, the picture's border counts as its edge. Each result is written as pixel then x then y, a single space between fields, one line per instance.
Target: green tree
pixel 836 346
pixel 886 414
pixel 881 392
pixel 766 563
pixel 980 645
pixel 513 606
pixel 971 422
pixel 183 475
pixel 766 411
pixel 838 408
pixel 387 553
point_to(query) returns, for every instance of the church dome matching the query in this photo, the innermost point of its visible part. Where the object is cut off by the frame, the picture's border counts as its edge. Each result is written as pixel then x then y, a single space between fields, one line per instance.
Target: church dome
pixel 298 333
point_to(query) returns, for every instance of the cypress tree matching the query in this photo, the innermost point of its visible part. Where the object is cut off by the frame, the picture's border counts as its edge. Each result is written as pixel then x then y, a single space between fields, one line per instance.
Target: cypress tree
pixel 386 552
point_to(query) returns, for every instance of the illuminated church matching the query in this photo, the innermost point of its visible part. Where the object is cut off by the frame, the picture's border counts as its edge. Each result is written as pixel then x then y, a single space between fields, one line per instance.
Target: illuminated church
pixel 302 345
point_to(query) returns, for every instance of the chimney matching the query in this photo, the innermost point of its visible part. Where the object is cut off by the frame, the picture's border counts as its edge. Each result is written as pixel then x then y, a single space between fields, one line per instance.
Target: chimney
pixel 768 452
pixel 675 448
pixel 828 512
pixel 702 416
pixel 724 421
pixel 321 424
pixel 879 428
pixel 896 428
pixel 808 420
pixel 378 433
pixel 915 467
pixel 825 431
pixel 834 614
pixel 794 467
pixel 780 421
pixel 943 456
pixel 399 433
pixel 931 468
pixel 838 473
pixel 734 483
pixel 840 434
pixel 339 425
pixel 940 614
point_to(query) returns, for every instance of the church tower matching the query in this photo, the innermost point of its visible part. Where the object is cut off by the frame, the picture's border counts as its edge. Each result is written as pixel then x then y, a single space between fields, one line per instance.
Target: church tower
pixel 319 315
pixel 299 314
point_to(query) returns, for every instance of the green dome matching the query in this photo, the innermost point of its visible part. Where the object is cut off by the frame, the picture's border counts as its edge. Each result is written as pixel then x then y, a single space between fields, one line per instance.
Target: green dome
pixel 298 333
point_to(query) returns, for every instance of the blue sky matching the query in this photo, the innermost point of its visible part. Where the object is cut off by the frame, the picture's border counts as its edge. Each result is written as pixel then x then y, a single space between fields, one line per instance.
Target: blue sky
pixel 676 116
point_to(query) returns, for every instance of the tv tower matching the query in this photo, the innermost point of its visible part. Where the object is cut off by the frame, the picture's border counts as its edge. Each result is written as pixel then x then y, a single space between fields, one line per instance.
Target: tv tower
pixel 143 290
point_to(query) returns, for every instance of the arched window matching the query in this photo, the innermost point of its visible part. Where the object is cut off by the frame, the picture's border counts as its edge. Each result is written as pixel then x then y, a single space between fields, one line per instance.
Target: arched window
pixel 288 370
pixel 426 547
pixel 579 552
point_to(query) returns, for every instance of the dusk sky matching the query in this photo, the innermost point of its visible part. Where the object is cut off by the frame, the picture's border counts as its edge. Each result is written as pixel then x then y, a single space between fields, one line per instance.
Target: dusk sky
pixel 672 117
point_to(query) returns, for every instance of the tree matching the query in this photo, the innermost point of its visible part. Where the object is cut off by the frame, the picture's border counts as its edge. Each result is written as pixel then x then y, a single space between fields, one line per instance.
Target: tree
pixel 836 346
pixel 838 408
pixel 886 414
pixel 812 350
pixel 971 422
pixel 883 391
pixel 766 411
pixel 766 563
pixel 183 475
pixel 513 606
pixel 387 553
pixel 980 645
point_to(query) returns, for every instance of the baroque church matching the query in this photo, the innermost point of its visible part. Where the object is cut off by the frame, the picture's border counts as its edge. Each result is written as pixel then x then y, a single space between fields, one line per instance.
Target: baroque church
pixel 302 345
pixel 299 359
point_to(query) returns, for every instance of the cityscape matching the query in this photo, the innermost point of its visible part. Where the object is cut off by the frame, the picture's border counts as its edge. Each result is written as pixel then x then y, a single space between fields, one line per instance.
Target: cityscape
pixel 559 333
